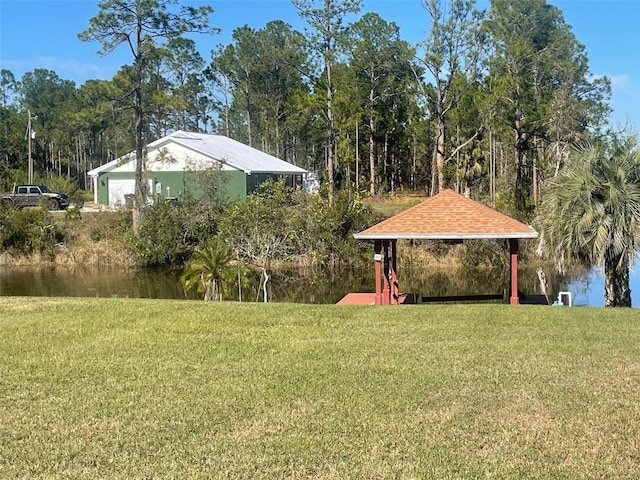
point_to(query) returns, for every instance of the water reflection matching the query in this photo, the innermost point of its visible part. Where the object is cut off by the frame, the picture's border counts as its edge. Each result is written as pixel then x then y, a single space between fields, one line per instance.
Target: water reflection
pixel 293 285
pixel 587 287
pixel 57 282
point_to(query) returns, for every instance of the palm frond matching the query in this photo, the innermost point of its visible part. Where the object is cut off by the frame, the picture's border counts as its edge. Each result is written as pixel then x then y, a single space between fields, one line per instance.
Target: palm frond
pixel 592 209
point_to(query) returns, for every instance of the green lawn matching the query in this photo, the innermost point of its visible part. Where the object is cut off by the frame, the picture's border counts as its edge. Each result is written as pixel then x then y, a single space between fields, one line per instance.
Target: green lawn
pixel 390 206
pixel 113 388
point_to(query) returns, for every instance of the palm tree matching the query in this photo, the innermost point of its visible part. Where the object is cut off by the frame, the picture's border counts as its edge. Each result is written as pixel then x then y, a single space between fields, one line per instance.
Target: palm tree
pixel 591 213
pixel 209 267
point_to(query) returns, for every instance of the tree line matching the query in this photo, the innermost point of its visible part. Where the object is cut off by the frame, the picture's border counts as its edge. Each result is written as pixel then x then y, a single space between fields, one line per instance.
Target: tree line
pixel 488 104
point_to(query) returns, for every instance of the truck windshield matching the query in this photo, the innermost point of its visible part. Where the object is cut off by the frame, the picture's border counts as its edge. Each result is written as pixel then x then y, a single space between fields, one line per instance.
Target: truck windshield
pixel 43 189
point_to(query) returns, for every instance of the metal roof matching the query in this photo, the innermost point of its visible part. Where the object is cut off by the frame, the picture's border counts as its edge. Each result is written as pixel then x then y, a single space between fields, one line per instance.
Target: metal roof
pixel 448 216
pixel 226 150
pixel 220 148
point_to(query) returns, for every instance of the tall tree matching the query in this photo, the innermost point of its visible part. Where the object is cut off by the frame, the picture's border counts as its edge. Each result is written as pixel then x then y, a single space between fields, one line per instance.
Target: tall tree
pixel 537 67
pixel 278 83
pixel 142 25
pixel 12 143
pixel 100 119
pixel 382 62
pixel 591 211
pixel 263 68
pixel 235 63
pixel 326 17
pixel 219 96
pixel 350 124
pixel 184 67
pixel 8 112
pixel 9 86
pixel 48 98
pixel 452 50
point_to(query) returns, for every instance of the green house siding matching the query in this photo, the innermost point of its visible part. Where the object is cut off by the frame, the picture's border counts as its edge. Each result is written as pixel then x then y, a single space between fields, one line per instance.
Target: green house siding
pixel 174 184
pixel 233 182
pixel 235 185
pixel 167 184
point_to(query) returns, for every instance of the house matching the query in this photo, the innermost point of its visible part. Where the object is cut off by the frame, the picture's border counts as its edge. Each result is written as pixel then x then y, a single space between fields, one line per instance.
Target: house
pixel 173 160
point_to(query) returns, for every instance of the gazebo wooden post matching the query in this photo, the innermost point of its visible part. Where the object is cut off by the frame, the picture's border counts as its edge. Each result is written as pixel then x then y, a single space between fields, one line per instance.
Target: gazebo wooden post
pixel 386 291
pixel 513 263
pixel 395 293
pixel 378 258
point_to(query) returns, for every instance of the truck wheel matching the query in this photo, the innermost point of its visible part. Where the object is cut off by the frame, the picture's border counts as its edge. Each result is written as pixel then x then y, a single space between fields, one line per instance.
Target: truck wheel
pixel 54 205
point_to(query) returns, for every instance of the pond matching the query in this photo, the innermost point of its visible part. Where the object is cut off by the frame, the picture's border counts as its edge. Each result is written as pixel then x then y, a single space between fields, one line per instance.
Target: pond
pixel 294 285
pixel 588 287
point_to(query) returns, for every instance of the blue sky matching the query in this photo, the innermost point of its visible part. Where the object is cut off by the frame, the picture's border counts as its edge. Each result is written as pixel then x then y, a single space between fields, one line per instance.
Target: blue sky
pixel 43 34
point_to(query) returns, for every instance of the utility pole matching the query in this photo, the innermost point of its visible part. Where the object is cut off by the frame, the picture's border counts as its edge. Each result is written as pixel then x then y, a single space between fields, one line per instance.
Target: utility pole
pixel 30 135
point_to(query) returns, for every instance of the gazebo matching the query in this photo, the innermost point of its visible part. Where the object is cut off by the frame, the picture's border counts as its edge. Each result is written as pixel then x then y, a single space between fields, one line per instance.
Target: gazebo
pixel 445 216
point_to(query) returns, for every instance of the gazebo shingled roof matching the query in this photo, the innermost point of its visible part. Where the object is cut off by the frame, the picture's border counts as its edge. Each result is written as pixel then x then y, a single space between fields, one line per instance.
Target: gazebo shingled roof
pixel 448 216
pixel 445 216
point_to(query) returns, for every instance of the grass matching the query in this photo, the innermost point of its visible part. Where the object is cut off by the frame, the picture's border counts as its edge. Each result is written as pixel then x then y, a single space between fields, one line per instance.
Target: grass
pixel 113 388
pixel 389 206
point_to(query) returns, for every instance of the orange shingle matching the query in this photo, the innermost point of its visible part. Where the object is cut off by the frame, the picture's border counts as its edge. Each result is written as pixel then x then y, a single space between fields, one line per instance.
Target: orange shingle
pixel 448 215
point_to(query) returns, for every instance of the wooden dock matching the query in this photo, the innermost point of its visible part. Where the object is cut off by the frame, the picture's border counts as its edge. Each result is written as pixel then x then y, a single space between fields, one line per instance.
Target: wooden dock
pixel 369 298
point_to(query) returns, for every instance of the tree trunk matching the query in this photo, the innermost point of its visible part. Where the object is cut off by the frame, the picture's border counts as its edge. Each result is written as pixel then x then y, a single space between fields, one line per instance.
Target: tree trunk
pixel 521 192
pixel 210 289
pixel 517 165
pixel 372 154
pixel 330 132
pixel 140 195
pixel 264 286
pixel 440 143
pixel 413 163
pixel 467 187
pixel 226 120
pixel 434 171
pixel 617 292
pixel 248 119
pixel 277 131
pixel 358 155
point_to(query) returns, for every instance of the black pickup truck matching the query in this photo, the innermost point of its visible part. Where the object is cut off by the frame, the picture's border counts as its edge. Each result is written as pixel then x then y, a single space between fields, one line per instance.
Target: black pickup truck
pixel 35 195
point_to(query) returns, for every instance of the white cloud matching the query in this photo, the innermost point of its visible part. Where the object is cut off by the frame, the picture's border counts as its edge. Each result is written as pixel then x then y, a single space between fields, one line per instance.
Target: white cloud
pixel 621 82
pixel 66 69
pixel 75 69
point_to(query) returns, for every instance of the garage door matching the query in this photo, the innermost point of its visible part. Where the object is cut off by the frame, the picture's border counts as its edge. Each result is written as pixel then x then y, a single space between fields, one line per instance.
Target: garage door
pixel 118 188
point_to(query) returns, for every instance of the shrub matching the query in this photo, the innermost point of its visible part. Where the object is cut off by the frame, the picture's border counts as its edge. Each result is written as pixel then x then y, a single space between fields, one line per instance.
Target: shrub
pixel 485 253
pixel 106 225
pixel 169 234
pixel 63 184
pixel 347 215
pixel 29 230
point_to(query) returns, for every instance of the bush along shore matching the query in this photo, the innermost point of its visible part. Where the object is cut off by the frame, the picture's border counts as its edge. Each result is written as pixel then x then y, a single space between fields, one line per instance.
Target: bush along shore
pixel 292 225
